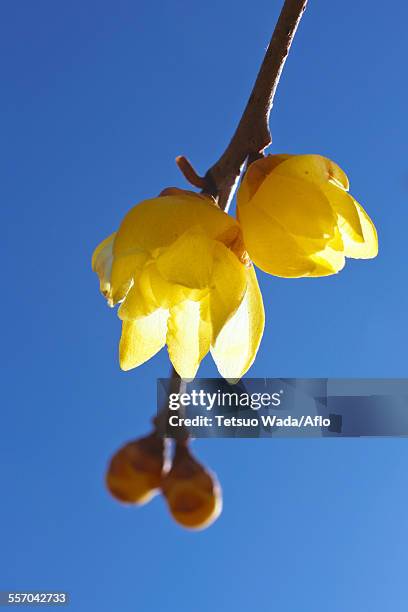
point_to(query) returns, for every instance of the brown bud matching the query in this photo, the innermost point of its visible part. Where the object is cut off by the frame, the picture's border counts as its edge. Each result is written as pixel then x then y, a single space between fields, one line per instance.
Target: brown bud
pixel 192 493
pixel 134 473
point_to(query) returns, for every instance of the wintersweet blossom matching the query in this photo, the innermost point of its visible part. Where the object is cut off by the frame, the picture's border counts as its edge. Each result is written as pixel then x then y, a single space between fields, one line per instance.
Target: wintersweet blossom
pixel 298 218
pixel 178 267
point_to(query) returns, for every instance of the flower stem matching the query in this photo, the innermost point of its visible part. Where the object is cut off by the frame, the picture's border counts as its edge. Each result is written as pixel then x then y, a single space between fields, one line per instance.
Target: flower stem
pixel 160 422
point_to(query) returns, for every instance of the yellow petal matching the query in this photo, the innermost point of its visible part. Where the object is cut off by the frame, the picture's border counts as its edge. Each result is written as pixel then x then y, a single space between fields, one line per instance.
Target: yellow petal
pixel 125 270
pixel 329 261
pixel 256 174
pixel 163 292
pixel 348 219
pixel 188 338
pixel 369 248
pixel 237 344
pixel 157 223
pixel 227 287
pixel 314 168
pixel 137 304
pixel 189 260
pixel 141 339
pixel 152 291
pixel 300 207
pixel 271 248
pixel 102 264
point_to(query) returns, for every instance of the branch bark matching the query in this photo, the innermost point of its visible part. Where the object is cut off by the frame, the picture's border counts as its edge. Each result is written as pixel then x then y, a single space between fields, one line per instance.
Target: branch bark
pixel 252 135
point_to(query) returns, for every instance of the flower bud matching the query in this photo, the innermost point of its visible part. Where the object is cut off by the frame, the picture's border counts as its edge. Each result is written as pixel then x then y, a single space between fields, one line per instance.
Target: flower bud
pixel 134 472
pixel 192 493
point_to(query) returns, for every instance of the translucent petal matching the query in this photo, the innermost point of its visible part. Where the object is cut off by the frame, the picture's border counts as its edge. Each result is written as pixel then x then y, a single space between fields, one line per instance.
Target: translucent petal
pixel 102 264
pixel 188 338
pixel 189 260
pixel 227 287
pixel 163 292
pixel 329 261
pixel 159 222
pixel 237 344
pixel 273 249
pixel 299 206
pixel 348 219
pixel 314 168
pixel 256 174
pixel 369 248
pixel 125 270
pixel 137 303
pixel 141 339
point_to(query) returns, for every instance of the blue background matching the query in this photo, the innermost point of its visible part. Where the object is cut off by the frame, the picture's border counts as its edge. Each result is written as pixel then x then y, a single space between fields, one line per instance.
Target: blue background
pixel 98 98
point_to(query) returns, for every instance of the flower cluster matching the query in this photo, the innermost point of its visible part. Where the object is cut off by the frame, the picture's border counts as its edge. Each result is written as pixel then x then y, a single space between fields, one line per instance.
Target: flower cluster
pixel 181 268
pixel 141 469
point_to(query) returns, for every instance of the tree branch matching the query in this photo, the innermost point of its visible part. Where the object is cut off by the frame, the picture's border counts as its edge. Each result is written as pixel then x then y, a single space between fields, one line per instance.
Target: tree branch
pixel 252 135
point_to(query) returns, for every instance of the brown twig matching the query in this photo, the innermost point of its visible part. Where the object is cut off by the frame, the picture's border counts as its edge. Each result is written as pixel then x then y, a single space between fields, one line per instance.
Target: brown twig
pixel 161 421
pixel 191 175
pixel 252 135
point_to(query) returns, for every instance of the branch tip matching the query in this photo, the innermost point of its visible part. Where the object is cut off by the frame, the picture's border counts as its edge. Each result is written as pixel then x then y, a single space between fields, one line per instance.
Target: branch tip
pixel 189 173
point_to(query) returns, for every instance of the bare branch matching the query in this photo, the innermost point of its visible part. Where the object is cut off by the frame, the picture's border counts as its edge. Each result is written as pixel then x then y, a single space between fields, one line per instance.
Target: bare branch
pixel 252 135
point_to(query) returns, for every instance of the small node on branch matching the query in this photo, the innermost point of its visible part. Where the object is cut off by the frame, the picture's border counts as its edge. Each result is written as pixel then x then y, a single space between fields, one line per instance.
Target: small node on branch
pixel 254 156
pixel 189 173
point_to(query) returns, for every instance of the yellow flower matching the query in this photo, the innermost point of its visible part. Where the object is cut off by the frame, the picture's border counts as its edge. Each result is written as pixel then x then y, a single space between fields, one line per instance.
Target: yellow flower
pixel 178 266
pixel 192 493
pixel 135 471
pixel 298 218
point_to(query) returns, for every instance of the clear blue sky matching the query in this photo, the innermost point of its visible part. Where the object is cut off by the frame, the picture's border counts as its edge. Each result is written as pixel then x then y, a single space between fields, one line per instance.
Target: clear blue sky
pixel 98 98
